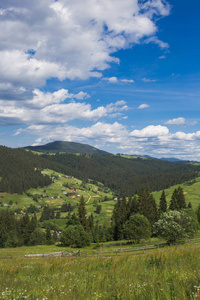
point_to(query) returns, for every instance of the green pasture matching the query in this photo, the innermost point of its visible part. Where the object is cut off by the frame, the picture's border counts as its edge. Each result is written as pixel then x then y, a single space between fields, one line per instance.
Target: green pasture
pixel 165 274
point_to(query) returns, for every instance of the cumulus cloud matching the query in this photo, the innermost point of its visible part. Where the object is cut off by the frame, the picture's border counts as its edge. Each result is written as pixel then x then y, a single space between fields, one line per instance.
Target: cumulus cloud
pixel 104 132
pixel 151 131
pixel 42 39
pixel 181 121
pixel 111 79
pixel 177 121
pixel 154 140
pixel 52 108
pixel 143 106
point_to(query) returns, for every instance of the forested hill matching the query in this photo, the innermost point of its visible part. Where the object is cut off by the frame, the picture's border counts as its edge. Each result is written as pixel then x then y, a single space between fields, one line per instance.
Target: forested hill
pixel 68 147
pixel 21 170
pixel 18 171
pixel 127 176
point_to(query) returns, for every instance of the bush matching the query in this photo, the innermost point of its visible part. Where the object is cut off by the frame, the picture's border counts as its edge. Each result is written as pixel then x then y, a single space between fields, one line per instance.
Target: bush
pixel 75 236
pixel 137 227
pixel 175 225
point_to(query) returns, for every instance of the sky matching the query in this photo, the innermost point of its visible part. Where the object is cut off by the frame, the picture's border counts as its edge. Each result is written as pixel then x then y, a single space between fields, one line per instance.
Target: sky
pixel 122 76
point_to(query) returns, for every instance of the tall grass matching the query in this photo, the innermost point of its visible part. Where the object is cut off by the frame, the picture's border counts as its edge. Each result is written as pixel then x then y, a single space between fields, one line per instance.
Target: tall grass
pixel 158 275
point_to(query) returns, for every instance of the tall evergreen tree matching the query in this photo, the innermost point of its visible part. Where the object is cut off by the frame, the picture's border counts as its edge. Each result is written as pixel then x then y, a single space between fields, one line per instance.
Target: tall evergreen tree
pixel 163 203
pixel 178 200
pixel 82 213
pixel 147 205
pixel 181 198
pixel 119 217
pixel 173 203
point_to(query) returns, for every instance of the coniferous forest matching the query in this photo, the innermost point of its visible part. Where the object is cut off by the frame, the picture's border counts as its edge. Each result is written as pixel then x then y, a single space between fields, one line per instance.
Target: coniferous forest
pixel 21 170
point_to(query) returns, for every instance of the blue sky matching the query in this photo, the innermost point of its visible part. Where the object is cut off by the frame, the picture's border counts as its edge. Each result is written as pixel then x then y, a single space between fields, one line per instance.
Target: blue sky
pixel 122 76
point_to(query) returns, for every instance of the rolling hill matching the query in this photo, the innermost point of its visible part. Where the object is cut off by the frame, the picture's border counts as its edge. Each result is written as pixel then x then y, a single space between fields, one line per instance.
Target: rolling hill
pixel 68 147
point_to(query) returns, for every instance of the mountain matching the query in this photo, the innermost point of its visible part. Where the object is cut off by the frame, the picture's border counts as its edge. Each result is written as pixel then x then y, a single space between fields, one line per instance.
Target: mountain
pixel 68 147
pixel 170 159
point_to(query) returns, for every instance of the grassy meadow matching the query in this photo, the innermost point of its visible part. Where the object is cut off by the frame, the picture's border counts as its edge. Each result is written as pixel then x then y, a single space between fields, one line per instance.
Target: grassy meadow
pixel 171 273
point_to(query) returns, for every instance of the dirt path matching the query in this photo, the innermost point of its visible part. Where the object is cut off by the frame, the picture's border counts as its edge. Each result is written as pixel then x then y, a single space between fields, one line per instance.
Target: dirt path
pixel 88 198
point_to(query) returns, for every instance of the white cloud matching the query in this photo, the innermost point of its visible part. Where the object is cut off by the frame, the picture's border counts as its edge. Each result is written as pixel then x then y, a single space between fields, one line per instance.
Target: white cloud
pixel 18 69
pixel 111 79
pixel 42 99
pixel 143 106
pixel 148 80
pixel 153 140
pixel 180 121
pixel 150 131
pixel 127 80
pixel 155 40
pixel 177 121
pixel 81 96
pixel 70 39
pixel 162 57
pixel 104 132
pixel 52 108
pixel 116 80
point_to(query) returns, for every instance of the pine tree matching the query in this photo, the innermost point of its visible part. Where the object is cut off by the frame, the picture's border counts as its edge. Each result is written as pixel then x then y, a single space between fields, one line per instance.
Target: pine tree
pixel 178 200
pixel 163 203
pixel 119 217
pixel 147 205
pixel 82 213
pixel 181 198
pixel 173 203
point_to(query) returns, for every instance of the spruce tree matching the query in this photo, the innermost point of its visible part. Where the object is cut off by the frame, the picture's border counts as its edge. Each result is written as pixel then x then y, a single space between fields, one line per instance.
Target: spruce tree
pixel 147 205
pixel 82 213
pixel 163 203
pixel 119 217
pixel 173 203
pixel 181 198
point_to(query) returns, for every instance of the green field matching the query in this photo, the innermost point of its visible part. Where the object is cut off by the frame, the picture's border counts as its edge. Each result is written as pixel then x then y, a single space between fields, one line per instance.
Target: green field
pixel 169 273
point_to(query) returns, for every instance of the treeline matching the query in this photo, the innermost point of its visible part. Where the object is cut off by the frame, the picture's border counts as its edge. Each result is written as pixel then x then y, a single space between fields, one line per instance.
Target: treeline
pixel 127 176
pixel 22 232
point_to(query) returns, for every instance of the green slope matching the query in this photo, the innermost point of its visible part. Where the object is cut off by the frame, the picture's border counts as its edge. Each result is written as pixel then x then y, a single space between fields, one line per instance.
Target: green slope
pixel 191 190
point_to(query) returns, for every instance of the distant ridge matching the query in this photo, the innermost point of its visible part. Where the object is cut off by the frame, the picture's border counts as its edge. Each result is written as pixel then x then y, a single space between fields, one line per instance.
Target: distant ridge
pixel 67 147
pixel 171 159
